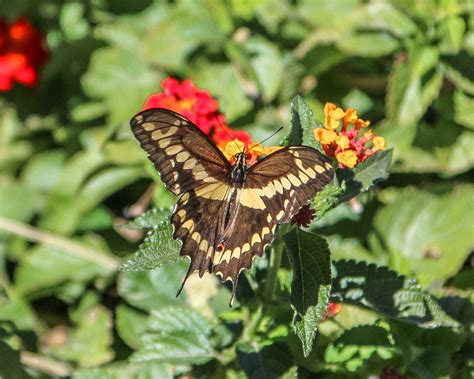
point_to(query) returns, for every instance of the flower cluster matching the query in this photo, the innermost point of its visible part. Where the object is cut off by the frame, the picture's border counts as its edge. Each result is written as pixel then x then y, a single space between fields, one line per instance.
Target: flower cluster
pixel 343 138
pixel 22 52
pixel 254 150
pixel 198 106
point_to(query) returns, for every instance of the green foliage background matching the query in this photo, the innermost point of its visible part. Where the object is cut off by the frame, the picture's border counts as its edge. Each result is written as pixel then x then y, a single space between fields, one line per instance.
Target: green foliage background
pixel 70 167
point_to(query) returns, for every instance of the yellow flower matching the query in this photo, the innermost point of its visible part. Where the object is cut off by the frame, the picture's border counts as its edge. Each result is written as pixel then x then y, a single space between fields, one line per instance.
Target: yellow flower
pixel 348 158
pixel 233 147
pixel 332 116
pixel 324 136
pixel 361 124
pixel 351 116
pixel 342 141
pixel 369 134
pixel 379 143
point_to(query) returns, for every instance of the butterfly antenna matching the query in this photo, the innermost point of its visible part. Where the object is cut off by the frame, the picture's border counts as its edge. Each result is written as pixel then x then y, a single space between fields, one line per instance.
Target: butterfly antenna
pixel 226 132
pixel 267 138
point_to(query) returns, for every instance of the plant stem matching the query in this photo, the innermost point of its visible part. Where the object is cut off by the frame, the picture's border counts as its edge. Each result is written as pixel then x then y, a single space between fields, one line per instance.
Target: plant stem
pixel 65 245
pixel 45 364
pixel 275 263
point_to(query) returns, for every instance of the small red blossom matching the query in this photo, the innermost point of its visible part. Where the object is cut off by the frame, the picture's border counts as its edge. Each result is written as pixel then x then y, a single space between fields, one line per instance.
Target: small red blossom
pixel 304 216
pixel 332 310
pixel 342 136
pixel 200 108
pixel 22 52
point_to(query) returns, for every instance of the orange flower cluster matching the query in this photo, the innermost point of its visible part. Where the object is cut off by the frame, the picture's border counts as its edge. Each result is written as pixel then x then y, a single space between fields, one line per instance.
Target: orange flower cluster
pixel 342 136
pixel 21 53
pixel 198 106
pixel 254 150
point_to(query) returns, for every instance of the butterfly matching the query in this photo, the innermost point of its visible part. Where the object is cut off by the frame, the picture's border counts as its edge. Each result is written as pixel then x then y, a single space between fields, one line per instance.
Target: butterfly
pixel 226 214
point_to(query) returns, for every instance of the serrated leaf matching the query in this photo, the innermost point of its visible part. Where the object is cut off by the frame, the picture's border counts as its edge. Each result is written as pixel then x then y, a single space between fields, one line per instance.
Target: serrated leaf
pixel 302 125
pixel 310 260
pixel 176 335
pixel 326 200
pixel 385 291
pixel 158 249
pixel 152 219
pixel 371 171
pixel 178 317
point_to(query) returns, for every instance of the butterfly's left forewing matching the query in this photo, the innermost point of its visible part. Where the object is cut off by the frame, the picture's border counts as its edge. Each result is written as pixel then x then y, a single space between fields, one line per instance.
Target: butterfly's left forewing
pixel 192 167
pixel 183 155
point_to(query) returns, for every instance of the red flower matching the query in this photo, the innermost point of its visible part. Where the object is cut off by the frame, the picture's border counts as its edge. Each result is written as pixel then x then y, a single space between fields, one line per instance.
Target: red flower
pixel 199 107
pixel 22 52
pixel 304 216
pixel 332 310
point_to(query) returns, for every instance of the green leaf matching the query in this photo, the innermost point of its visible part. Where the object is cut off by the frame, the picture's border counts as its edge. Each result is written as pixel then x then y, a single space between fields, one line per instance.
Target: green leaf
pixel 152 289
pixel 326 200
pixel 385 291
pixel 158 249
pixel 19 311
pixel 460 71
pixel 302 125
pixel 266 63
pixel 232 99
pixel 115 152
pixel 357 347
pixel 42 170
pixel 384 16
pixel 18 202
pixel 373 170
pixel 132 79
pixel 420 236
pixel 130 325
pixel 46 267
pixel 126 370
pixel 451 31
pixel 413 85
pixel 368 45
pixel 463 106
pixel 310 260
pixel 182 29
pixel 89 343
pixel 271 361
pixel 177 335
pixel 10 365
pixel 153 218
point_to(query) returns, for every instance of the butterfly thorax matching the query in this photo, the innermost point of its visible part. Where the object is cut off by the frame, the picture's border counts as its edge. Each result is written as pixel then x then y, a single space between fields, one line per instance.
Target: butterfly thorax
pixel 239 170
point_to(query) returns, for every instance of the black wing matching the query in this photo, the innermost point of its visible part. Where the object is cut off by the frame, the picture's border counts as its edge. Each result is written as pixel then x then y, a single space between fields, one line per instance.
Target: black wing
pixel 274 191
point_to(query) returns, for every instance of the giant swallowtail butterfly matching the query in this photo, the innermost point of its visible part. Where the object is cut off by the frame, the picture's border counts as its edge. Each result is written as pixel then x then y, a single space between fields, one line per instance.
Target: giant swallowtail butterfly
pixel 226 214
